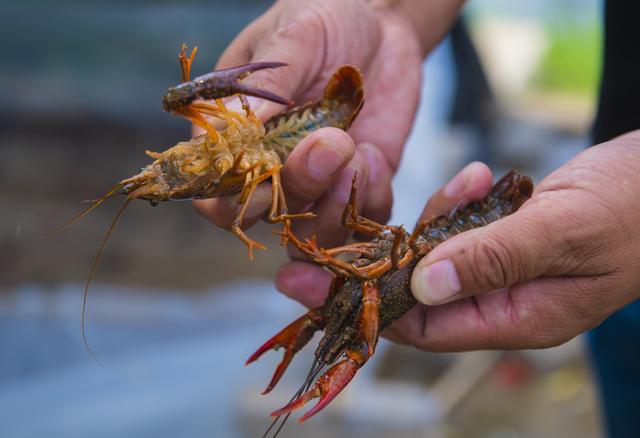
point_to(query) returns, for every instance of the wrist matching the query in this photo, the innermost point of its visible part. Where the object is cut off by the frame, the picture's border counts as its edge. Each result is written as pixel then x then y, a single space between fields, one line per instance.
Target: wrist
pixel 428 20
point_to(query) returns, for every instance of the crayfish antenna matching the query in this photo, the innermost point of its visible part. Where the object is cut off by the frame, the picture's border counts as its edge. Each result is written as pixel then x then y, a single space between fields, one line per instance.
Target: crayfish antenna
pixel 114 190
pixel 316 367
pixel 94 267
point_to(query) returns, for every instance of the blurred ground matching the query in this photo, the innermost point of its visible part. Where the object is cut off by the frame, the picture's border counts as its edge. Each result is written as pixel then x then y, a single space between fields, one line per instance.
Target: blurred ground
pixel 172 315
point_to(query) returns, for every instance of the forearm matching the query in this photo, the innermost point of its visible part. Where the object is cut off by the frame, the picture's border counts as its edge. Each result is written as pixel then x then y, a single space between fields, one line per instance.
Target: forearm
pixel 430 19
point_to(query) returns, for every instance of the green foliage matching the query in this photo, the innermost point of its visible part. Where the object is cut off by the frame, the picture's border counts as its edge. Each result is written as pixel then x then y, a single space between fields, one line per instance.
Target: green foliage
pixel 571 63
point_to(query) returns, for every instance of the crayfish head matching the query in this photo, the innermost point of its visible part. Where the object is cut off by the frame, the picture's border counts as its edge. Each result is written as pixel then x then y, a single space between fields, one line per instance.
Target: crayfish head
pixel 147 185
pixel 184 171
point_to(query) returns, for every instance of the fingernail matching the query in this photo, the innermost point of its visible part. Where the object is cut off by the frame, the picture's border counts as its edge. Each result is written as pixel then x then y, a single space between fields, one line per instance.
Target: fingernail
pixel 437 283
pixel 324 160
pixel 455 187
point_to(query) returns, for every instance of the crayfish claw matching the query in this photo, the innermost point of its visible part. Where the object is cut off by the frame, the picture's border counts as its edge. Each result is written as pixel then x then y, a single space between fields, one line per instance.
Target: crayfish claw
pixel 328 386
pixel 215 85
pixel 280 369
pixel 292 338
pixel 262 93
pixel 227 81
pixel 244 70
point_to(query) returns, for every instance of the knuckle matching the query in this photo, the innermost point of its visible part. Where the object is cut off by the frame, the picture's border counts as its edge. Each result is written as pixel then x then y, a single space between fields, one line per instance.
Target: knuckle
pixel 493 264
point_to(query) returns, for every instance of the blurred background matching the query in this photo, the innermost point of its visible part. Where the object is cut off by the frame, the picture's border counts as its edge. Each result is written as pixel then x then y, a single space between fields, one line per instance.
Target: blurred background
pixel 176 307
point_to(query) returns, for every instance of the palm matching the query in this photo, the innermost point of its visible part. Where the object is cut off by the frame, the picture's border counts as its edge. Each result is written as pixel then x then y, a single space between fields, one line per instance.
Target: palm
pixel 314 41
pixel 392 99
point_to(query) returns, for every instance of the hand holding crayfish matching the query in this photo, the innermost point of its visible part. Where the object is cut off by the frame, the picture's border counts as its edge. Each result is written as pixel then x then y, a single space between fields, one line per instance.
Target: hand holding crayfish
pixel 370 289
pixel 559 266
pixel 314 37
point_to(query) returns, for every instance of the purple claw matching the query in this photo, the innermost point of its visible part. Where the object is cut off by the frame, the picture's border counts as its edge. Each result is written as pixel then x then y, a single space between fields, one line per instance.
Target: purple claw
pixel 264 94
pixel 220 83
pixel 227 82
pixel 242 71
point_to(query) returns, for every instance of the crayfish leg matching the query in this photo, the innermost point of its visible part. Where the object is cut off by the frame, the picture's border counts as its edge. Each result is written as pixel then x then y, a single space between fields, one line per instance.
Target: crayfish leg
pixel 370 316
pixel 279 212
pixel 236 226
pixel 248 189
pixel 292 338
pixel 185 62
pixel 351 218
pixel 198 119
pixel 248 111
pixel 328 386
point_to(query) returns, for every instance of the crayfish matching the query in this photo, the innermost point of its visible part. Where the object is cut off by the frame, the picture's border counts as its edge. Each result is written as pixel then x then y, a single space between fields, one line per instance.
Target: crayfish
pixel 237 151
pixel 371 290
pixel 237 157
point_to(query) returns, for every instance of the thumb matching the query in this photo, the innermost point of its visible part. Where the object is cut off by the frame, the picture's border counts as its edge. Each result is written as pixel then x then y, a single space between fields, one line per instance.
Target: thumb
pixel 509 251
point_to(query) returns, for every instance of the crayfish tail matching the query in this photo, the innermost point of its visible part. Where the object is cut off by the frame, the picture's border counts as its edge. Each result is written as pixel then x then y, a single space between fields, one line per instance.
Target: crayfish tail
pixel 345 93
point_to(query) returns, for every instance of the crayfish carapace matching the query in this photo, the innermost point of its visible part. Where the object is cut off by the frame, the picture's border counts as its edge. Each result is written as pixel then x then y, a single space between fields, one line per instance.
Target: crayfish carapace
pixel 237 151
pixel 372 290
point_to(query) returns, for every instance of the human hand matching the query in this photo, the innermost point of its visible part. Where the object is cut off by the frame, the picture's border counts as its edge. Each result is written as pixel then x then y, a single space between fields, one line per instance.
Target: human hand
pixel 314 37
pixel 557 267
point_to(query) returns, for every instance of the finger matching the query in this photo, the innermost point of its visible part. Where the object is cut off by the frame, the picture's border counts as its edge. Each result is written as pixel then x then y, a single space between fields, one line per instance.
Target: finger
pixel 378 197
pixel 538 314
pixel 224 210
pixel 519 247
pixel 327 225
pixel 471 184
pixel 300 45
pixel 314 166
pixel 304 282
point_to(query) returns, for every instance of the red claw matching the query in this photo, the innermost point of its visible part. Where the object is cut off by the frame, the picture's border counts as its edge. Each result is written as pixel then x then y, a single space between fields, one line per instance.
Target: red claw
pixel 293 337
pixel 327 387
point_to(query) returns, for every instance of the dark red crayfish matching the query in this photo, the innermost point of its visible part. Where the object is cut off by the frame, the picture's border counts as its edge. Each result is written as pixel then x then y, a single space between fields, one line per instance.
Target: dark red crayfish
pixel 372 290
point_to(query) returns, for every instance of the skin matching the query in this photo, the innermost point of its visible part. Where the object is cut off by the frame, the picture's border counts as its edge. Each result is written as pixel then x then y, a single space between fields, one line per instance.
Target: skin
pixel 557 267
pixel 378 37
